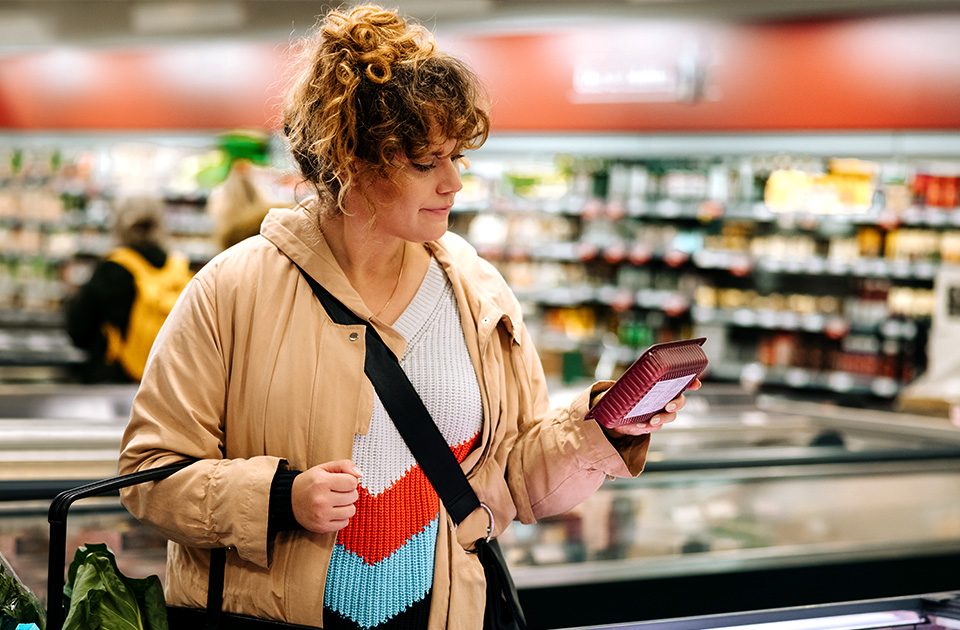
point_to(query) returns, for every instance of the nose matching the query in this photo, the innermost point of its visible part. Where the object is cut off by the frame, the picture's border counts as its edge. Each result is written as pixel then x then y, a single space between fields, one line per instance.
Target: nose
pixel 450 182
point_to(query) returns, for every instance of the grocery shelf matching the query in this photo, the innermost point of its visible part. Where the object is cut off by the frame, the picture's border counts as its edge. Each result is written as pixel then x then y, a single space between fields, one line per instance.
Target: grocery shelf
pixel 817 265
pixel 669 301
pixel 32 319
pixel 931 144
pixel 619 230
pixel 797 378
pixel 738 262
pixel 807 322
pixel 706 211
pixel 887 144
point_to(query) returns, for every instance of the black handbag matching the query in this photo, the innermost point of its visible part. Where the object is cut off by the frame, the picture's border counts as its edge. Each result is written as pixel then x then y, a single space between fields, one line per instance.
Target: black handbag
pixel 430 449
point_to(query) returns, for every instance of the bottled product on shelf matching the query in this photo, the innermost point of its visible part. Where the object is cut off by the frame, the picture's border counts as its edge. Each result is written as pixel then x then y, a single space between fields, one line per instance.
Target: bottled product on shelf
pixel 815 272
pixel 758 251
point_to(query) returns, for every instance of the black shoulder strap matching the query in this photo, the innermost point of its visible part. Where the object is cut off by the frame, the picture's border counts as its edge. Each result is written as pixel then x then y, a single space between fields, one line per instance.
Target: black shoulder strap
pixel 218 567
pixel 407 411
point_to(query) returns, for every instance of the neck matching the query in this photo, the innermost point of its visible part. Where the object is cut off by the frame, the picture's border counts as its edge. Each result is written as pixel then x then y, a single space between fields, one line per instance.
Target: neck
pixel 372 264
pixel 363 255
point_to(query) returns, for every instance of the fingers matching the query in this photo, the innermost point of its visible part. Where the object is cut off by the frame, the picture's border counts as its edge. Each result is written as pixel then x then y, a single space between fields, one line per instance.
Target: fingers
pixel 343 474
pixel 324 497
pixel 341 466
pixel 341 482
pixel 337 499
pixel 649 426
pixel 343 513
pixel 669 414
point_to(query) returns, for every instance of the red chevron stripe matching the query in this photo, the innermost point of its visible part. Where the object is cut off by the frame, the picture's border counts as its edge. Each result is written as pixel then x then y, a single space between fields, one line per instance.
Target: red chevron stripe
pixel 383 523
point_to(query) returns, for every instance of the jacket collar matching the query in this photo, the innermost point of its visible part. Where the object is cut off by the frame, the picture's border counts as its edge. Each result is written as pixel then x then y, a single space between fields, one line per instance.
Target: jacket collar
pixel 490 300
pixel 297 235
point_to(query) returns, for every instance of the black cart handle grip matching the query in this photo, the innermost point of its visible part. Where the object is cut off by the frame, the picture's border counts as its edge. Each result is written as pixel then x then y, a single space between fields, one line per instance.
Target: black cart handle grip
pixel 57 516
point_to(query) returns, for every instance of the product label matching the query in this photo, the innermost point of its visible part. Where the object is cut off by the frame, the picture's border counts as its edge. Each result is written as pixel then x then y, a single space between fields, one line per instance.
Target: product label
pixel 660 394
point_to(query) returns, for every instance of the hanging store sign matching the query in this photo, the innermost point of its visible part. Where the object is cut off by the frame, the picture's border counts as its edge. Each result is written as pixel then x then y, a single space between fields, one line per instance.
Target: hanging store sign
pixel 622 78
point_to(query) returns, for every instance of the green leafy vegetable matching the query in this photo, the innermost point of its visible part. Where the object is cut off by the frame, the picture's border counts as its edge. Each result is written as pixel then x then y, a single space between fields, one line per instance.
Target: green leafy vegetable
pixel 17 603
pixel 102 598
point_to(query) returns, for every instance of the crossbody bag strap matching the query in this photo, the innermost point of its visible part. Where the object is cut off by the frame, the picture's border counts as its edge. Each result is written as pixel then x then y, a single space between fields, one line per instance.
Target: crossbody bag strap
pixel 218 566
pixel 409 414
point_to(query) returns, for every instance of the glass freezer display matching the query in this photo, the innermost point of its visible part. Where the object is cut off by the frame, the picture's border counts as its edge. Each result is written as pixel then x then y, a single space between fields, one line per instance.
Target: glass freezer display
pixel 940 611
pixel 777 490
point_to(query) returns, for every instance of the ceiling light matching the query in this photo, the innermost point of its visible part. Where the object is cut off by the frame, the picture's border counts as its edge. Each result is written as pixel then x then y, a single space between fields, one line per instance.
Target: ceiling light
pixel 24 28
pixel 425 9
pixel 154 18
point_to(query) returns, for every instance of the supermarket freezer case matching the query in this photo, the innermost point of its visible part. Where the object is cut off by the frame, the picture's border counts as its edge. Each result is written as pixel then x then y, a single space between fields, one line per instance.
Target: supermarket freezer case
pixel 781 504
pixel 935 611
pixel 745 503
pixel 54 437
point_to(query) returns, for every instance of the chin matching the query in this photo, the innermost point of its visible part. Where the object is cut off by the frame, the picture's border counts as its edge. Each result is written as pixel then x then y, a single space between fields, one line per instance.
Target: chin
pixel 434 235
pixel 433 230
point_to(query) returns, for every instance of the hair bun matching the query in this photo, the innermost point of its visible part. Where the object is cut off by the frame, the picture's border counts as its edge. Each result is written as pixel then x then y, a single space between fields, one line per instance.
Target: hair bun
pixel 371 88
pixel 372 40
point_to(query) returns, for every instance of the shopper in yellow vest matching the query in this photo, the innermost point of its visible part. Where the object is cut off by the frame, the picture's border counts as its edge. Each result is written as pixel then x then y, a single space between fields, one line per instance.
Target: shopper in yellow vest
pixel 117 314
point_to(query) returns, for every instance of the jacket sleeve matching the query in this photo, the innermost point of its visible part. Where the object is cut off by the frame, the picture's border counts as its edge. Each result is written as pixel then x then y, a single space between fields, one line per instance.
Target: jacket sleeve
pixel 559 459
pixel 178 414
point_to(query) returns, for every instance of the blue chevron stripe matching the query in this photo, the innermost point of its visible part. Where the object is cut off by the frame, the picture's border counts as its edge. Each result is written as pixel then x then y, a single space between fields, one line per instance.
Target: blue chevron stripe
pixel 371 594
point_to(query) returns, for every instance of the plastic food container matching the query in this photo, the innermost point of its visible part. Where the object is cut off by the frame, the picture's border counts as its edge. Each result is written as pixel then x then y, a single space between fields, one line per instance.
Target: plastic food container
pixel 659 375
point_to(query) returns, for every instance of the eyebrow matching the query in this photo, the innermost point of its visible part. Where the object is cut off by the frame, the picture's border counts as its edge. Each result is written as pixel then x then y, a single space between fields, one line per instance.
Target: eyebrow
pixel 454 151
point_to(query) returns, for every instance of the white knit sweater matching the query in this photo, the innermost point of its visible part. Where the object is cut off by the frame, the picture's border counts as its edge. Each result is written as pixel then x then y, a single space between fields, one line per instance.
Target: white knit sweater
pixel 382 564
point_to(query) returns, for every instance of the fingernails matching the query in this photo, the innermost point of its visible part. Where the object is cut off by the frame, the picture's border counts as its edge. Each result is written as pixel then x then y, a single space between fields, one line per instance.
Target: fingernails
pixel 655 420
pixel 671 407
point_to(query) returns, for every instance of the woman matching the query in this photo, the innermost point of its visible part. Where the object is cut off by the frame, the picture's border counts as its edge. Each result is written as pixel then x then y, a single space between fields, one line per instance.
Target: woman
pixel 301 473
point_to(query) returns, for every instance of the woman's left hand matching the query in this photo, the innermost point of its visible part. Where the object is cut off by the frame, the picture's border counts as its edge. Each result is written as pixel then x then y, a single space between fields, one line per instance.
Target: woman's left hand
pixel 655 423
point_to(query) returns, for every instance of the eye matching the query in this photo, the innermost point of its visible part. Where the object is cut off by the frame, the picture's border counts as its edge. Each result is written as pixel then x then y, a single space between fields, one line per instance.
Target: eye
pixel 423 168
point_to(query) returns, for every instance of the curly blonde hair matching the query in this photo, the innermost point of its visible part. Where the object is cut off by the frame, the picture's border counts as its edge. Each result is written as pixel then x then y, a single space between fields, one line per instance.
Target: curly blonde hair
pixel 374 87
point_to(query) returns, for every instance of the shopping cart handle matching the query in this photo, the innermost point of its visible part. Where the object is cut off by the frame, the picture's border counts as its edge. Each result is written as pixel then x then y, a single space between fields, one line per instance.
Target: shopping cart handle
pixel 57 516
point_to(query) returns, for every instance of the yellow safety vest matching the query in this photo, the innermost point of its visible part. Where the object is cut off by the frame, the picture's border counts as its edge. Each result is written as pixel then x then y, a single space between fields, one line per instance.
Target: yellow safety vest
pixel 157 291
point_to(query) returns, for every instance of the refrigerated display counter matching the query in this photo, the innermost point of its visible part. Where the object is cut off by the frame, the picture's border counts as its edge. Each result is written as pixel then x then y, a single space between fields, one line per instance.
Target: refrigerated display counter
pixel 937 611
pixel 782 504
pixel 54 436
pixel 746 502
pixel 66 402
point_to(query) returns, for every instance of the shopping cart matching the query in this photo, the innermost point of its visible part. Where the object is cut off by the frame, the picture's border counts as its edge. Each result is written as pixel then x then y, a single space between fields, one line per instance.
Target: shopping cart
pixel 210 618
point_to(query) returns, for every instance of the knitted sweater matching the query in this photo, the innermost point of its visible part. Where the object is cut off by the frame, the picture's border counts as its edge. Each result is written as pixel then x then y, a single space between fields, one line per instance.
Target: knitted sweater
pixel 381 571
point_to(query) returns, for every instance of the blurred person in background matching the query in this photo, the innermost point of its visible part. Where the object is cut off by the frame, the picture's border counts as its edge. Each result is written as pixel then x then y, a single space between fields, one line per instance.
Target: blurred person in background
pixel 299 471
pixel 116 315
pixel 238 205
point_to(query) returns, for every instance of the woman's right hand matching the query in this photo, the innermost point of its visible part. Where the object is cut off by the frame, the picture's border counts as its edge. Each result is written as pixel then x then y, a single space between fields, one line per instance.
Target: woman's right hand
pixel 323 497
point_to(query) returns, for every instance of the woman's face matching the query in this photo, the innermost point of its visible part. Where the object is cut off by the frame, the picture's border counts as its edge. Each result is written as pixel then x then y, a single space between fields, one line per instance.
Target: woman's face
pixel 415 206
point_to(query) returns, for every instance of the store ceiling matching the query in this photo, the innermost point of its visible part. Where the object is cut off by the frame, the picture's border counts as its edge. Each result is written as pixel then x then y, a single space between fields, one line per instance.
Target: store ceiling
pixel 31 24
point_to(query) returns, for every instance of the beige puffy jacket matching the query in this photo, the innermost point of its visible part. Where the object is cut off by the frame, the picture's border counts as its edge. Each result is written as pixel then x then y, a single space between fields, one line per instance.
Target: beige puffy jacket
pixel 248 372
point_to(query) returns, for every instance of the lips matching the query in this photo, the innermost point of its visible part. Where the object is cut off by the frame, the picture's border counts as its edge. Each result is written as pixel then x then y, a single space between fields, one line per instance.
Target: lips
pixel 440 210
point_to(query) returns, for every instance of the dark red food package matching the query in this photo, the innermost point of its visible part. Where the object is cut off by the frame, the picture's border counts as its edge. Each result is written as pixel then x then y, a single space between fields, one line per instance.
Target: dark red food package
pixel 662 373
